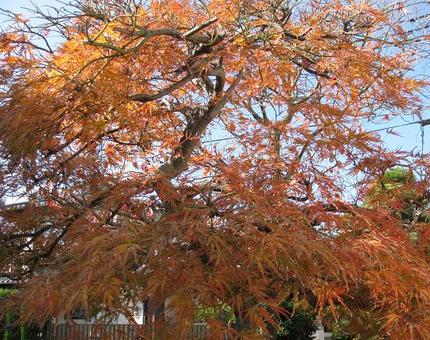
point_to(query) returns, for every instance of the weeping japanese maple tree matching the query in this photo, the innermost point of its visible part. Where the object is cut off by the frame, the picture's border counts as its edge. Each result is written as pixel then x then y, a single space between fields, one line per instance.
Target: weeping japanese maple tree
pixel 214 154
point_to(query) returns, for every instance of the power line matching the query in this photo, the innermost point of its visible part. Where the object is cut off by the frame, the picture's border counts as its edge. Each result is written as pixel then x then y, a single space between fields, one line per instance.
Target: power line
pixel 423 123
pixel 218 140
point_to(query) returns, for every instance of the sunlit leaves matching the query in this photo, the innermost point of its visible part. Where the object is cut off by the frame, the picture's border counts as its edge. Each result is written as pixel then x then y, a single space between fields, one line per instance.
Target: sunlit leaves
pixel 109 138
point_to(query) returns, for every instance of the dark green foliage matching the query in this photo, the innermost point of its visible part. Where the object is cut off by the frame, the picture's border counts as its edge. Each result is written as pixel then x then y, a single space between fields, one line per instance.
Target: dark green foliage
pixel 297 324
pixel 9 330
pixel 6 330
pixel 341 331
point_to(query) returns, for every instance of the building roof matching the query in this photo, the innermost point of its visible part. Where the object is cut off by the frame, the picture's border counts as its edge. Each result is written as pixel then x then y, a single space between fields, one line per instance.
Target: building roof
pixel 6 281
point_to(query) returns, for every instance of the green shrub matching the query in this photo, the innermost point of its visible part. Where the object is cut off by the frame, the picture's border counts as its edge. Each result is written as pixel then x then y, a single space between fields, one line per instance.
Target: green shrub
pixel 298 324
pixel 10 332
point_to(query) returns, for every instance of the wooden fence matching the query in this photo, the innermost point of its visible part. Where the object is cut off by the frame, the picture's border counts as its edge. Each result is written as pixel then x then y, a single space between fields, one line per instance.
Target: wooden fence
pixel 73 331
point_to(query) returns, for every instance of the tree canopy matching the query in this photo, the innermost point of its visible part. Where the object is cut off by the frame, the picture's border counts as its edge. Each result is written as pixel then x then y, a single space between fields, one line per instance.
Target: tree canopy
pixel 214 153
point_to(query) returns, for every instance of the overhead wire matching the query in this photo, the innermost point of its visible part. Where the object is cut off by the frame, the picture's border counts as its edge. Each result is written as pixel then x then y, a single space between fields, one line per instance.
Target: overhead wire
pixel 422 123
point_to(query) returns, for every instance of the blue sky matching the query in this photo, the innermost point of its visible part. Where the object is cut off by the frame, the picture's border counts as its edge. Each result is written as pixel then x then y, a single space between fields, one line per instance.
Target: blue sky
pixel 409 136
pixel 15 5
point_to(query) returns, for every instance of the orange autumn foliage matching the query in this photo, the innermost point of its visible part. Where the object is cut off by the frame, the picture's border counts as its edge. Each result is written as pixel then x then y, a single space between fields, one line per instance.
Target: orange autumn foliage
pixel 106 131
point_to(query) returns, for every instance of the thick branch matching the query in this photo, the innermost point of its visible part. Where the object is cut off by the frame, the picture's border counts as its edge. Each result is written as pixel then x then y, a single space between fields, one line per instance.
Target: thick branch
pixel 191 137
pixel 198 28
pixel 143 32
pixel 144 98
pixel 323 74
